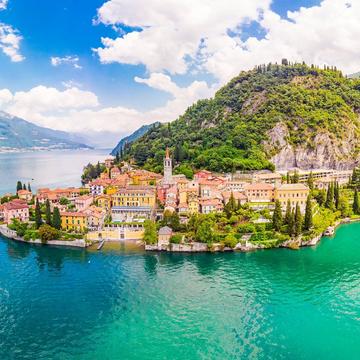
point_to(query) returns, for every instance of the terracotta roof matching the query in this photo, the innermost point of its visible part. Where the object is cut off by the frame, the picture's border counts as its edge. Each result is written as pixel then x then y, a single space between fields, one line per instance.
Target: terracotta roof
pixel 76 214
pixel 290 187
pixel 259 186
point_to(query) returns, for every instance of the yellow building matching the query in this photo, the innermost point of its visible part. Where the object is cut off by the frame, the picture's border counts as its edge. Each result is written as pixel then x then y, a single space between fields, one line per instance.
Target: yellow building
pixel 104 202
pixel 193 203
pixel 117 234
pixel 134 197
pixel 73 221
pixel 296 193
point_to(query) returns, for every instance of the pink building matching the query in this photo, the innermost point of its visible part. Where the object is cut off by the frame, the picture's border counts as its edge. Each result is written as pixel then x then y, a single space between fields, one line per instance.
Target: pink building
pixel 16 209
pixel 83 202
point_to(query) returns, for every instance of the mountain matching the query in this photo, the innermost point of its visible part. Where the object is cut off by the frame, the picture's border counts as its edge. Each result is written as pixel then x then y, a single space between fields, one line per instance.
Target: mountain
pixel 16 134
pixel 131 138
pixel 354 76
pixel 274 116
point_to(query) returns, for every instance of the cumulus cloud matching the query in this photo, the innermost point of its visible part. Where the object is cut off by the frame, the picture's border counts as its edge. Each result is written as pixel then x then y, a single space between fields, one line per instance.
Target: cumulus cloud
pixel 3 4
pixel 171 33
pixel 79 111
pixel 176 35
pixel 72 60
pixel 10 42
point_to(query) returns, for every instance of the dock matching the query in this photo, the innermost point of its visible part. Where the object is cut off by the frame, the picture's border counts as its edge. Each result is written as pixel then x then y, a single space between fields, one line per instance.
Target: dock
pixel 101 245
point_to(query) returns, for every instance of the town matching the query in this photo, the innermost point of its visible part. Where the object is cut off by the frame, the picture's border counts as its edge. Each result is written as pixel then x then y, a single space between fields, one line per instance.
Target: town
pixel 241 210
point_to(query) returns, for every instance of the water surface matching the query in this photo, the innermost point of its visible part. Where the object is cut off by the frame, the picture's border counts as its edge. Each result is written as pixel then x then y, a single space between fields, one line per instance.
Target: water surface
pixel 45 168
pixel 122 303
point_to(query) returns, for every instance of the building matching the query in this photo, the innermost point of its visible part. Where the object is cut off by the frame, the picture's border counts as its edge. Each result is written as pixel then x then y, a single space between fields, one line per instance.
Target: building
pixel 25 195
pixel 104 202
pixel 74 221
pixel 95 217
pixel 296 193
pixel 208 206
pixel 115 172
pixel 97 187
pixel 269 178
pixel 83 202
pixel 167 168
pixel 239 197
pixel 130 214
pixel 164 236
pixel 109 162
pixel 235 185
pixel 259 192
pixel 134 196
pixel 193 203
pixel 16 209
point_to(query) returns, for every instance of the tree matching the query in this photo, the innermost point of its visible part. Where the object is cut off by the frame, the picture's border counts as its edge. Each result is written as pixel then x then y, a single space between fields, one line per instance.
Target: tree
pixel 38 219
pixel 29 187
pixel 56 221
pixel 48 212
pixel 311 181
pixel 308 214
pixel 24 186
pixel 287 217
pixel 205 232
pixel 150 234
pixel 291 224
pixel 296 177
pixel 329 203
pixel 171 219
pixel 344 207
pixel 230 240
pixel 277 216
pixel 356 205
pixel 288 180
pixel 336 194
pixel 298 221
pixel 47 233
pixel 19 186
pixel 321 197
pixel 231 206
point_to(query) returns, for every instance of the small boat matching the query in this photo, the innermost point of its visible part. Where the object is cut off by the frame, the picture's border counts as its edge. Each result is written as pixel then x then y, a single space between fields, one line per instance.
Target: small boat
pixel 101 245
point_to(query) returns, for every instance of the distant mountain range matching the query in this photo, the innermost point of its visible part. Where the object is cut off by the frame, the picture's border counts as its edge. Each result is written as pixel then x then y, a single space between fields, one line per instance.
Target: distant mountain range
pixel 130 138
pixel 18 134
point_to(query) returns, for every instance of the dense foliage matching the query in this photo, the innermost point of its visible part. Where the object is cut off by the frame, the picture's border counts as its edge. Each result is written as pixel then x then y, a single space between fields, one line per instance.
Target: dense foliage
pixel 228 132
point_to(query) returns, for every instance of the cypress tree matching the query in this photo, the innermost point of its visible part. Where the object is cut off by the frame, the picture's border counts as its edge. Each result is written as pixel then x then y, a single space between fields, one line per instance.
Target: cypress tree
pixel 19 186
pixel 356 205
pixel 48 212
pixel 56 219
pixel 38 220
pixel 311 181
pixel 329 203
pixel 277 216
pixel 24 186
pixel 288 180
pixel 296 177
pixel 298 221
pixel 29 187
pixel 291 224
pixel 287 213
pixel 308 214
pixel 336 195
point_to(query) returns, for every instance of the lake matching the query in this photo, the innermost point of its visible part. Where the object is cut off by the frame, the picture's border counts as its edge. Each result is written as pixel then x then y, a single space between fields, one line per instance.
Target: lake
pixel 45 168
pixel 122 303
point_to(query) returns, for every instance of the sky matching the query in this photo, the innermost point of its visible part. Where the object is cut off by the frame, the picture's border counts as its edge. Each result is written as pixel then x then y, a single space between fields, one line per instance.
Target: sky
pixel 104 68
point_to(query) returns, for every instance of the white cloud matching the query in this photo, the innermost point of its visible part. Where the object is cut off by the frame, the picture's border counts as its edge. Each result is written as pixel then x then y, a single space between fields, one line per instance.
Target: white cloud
pixel 72 60
pixel 172 32
pixel 79 111
pixel 178 34
pixel 3 4
pixel 10 42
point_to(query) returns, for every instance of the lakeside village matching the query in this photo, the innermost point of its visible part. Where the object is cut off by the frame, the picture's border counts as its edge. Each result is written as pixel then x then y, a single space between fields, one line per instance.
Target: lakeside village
pixel 208 212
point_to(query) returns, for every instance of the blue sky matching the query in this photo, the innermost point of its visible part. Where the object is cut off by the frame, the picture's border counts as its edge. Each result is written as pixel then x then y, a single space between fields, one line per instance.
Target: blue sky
pixel 157 59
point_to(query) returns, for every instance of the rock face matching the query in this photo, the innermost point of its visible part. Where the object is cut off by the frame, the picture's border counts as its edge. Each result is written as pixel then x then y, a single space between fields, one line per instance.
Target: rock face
pixel 325 152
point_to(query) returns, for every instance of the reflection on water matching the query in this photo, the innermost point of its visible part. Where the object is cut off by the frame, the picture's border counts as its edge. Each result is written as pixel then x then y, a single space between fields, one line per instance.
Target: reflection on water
pixel 87 304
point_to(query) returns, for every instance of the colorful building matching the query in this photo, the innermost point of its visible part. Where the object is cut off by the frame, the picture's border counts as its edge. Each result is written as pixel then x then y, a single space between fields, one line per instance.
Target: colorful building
pixel 15 209
pixel 295 193
pixel 74 221
pixel 259 192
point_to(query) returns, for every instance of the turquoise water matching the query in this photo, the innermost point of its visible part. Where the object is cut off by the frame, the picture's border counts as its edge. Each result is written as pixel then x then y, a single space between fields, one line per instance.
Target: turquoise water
pixel 125 304
pixel 45 168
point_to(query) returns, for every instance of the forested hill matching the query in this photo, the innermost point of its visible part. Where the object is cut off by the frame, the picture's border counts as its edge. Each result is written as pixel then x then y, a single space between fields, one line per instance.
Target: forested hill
pixel 272 116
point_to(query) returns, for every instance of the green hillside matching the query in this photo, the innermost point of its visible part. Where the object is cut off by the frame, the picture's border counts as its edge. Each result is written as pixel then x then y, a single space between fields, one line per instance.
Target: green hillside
pixel 232 130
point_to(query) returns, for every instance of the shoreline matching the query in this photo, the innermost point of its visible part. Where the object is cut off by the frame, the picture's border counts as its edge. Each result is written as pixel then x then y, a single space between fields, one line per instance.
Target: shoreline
pixel 195 247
